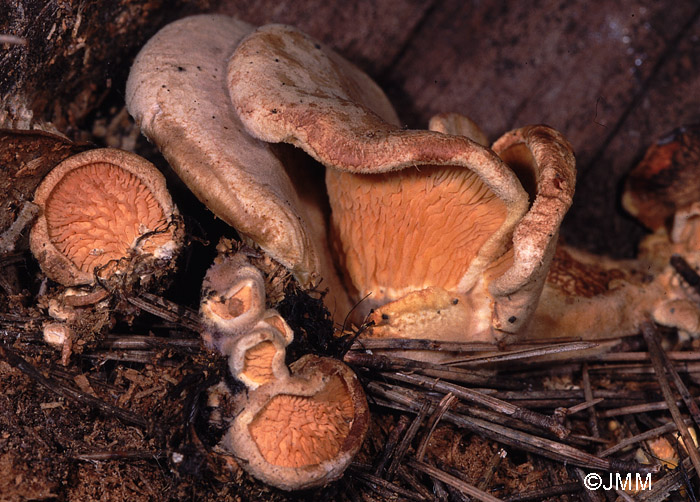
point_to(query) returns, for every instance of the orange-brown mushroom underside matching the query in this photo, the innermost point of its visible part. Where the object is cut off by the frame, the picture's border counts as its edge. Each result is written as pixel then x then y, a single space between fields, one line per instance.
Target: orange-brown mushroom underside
pixel 97 212
pixel 412 229
pixel 297 431
pixel 258 363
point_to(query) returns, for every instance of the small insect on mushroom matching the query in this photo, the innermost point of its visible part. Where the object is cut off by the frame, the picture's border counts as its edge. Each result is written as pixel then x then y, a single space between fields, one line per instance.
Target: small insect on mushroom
pixel 98 210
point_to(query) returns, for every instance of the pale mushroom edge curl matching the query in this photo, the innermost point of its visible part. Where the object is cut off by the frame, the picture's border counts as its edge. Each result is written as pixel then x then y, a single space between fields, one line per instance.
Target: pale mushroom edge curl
pixel 433 226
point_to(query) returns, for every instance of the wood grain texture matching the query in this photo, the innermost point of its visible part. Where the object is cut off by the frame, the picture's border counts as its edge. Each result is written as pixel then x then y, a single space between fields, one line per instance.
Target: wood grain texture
pixel 589 69
pixel 370 34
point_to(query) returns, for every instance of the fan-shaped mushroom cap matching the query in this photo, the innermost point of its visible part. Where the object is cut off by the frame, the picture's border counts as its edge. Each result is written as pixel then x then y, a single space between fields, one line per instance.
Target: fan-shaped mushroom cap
pixel 177 94
pixel 506 294
pixel 304 431
pixel 97 207
pixel 411 209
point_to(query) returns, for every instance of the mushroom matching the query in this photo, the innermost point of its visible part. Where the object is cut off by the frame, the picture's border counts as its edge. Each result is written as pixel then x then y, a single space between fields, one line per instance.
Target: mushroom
pixel 431 225
pixel 303 431
pixel 594 297
pixel 233 298
pixel 97 209
pixel 665 180
pixel 463 271
pixel 298 427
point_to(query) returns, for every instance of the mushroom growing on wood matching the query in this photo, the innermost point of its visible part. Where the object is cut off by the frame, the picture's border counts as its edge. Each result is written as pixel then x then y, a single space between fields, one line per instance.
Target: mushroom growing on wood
pixel 98 208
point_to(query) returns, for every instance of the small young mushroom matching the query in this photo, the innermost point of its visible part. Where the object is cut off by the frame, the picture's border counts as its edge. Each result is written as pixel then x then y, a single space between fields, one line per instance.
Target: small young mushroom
pixel 296 430
pixel 233 298
pixel 257 358
pixel 302 431
pixel 100 207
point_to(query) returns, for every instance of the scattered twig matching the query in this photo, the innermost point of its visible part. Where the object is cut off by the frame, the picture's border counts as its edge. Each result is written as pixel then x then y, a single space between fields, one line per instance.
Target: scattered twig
pixel 527 416
pixel 120 455
pixel 462 486
pixel 140 342
pixel 586 495
pixel 530 353
pixel 637 408
pixel 490 469
pixel 392 488
pixel 421 344
pixel 129 356
pixel 687 272
pixel 409 478
pixel 165 309
pixel 690 403
pixel 528 442
pixel 393 363
pixel 29 210
pixel 402 449
pixel 18 362
pixel 572 410
pixel 650 335
pixel 629 357
pixel 12 39
pixel 672 481
pixel 391 442
pixel 650 434
pixel 588 394
pixel 545 493
pixel 567 394
pixel 440 410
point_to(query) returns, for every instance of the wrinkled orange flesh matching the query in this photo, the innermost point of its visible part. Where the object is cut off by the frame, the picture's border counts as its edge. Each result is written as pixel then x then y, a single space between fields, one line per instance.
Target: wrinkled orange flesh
pixel 297 431
pixel 418 228
pixel 96 213
pixel 258 363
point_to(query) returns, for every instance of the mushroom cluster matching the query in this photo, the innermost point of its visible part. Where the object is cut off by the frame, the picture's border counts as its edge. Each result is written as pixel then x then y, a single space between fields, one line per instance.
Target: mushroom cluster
pixel 299 426
pixel 429 233
pixel 432 229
